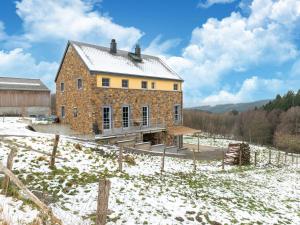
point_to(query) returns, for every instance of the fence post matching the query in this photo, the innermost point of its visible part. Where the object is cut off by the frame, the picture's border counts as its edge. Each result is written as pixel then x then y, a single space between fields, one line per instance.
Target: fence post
pixel 9 165
pixel 223 159
pixel 163 161
pixel 120 159
pixel 56 140
pixel 285 157
pixel 255 159
pixel 278 158
pixel 194 159
pixel 102 204
pixel 198 142
pixel 270 156
pixel 292 158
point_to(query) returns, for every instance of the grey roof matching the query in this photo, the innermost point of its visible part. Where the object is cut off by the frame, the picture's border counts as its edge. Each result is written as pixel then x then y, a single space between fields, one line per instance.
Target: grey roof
pixel 98 59
pixel 24 84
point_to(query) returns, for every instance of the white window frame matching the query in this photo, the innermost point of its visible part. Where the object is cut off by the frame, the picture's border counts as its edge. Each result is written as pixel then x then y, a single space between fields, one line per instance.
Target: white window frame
pixel 145 118
pixel 109 123
pixel 128 116
pixel 177 116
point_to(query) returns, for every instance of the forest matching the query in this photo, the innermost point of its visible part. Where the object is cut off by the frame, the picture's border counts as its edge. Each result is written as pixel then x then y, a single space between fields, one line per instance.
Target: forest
pixel 277 123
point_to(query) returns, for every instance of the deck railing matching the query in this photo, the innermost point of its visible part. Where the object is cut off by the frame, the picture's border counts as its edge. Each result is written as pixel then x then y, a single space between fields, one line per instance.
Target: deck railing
pixel 132 125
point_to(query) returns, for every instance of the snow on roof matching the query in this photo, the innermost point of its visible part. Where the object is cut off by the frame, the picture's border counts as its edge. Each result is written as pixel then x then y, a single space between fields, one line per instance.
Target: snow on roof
pixel 99 59
pixel 12 83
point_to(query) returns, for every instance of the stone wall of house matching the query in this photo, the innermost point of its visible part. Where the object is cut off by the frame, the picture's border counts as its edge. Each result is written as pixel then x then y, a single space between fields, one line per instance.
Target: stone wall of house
pixel 73 68
pixel 161 105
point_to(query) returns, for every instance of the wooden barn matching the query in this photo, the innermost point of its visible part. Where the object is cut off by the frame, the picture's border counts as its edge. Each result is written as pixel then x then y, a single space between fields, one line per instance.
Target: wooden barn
pixel 23 97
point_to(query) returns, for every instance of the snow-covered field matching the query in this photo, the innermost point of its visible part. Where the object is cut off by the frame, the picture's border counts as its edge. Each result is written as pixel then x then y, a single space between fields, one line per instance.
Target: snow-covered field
pixel 140 195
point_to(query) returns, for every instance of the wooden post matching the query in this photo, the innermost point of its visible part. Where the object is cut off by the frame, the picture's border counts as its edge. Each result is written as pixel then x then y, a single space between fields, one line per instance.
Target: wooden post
pixel 163 161
pixel 194 159
pixel 56 140
pixel 292 158
pixel 120 159
pixel 9 165
pixel 278 158
pixel 32 197
pixel 223 159
pixel 198 142
pixel 285 157
pixel 270 156
pixel 102 205
pixel 240 157
pixel 255 159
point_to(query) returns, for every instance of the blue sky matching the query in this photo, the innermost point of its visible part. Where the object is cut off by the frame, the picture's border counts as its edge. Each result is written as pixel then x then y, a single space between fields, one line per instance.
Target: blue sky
pixel 227 51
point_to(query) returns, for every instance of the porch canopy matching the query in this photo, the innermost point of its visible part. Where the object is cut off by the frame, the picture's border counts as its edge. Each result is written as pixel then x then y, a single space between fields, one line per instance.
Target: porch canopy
pixel 182 130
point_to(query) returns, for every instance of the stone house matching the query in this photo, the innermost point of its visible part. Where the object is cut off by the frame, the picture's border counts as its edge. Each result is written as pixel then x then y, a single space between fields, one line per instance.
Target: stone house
pixel 111 93
pixel 23 97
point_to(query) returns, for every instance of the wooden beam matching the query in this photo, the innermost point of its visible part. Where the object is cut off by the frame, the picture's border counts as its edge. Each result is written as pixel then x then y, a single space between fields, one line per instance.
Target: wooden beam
pixel 9 165
pixel 45 209
pixel 102 205
pixel 56 140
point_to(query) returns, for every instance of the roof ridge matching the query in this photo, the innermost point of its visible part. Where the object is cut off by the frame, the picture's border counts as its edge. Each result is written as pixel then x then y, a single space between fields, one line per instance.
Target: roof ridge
pixel 107 48
pixel 21 78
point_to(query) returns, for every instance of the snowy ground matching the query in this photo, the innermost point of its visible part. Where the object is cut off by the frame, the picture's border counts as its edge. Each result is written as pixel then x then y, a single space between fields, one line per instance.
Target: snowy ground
pixel 267 194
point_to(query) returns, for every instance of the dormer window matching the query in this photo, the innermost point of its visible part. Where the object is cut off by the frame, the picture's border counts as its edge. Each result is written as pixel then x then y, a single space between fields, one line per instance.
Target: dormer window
pixel 79 84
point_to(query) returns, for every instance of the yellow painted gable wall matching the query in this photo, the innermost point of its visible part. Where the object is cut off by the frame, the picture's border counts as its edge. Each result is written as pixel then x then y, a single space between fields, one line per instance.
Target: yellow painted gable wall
pixel 135 82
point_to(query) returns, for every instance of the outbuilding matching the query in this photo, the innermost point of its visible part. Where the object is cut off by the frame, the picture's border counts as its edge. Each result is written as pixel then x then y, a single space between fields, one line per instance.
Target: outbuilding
pixel 23 97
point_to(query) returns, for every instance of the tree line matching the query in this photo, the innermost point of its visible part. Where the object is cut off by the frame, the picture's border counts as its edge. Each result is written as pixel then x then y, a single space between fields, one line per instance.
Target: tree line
pixel 277 123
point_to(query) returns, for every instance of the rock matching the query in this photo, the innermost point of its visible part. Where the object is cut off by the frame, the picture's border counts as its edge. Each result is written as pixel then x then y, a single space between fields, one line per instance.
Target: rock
pixel 198 218
pixel 180 219
pixel 190 212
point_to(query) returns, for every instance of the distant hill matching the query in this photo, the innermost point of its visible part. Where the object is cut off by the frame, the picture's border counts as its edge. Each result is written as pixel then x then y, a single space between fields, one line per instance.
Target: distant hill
pixel 241 107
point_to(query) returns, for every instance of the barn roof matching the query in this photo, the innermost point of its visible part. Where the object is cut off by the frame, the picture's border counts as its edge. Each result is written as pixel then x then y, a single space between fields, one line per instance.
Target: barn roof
pixel 24 84
pixel 98 59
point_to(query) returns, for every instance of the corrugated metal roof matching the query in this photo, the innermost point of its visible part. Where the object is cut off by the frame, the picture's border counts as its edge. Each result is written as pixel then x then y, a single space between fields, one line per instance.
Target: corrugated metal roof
pixel 99 59
pixel 24 84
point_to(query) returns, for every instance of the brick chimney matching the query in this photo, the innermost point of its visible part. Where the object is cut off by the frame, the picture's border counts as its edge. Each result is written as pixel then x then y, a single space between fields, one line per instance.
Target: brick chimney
pixel 113 46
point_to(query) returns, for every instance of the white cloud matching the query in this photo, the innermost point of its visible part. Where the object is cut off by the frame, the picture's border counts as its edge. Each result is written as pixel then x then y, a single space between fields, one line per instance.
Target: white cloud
pixel 17 63
pixel 62 20
pixel 251 86
pixel 2 31
pixel 236 44
pixel 209 3
pixel 158 47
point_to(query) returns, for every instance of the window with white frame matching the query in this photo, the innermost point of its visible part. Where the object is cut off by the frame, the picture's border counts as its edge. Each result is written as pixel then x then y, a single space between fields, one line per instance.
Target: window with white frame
pixel 105 82
pixel 62 112
pixel 145 116
pixel 79 84
pixel 106 118
pixel 125 116
pixel 177 113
